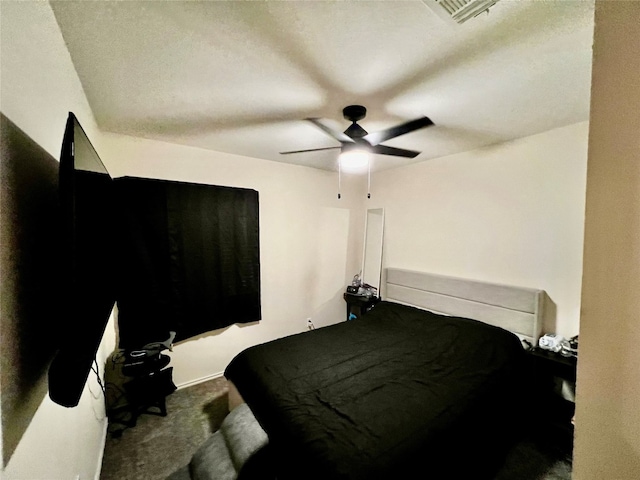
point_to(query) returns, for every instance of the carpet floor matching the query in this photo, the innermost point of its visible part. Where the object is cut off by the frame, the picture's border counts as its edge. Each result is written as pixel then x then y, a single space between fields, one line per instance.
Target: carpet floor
pixel 157 446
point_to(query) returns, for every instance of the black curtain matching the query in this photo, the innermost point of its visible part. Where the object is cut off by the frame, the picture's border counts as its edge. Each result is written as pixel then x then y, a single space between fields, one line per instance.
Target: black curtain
pixel 189 259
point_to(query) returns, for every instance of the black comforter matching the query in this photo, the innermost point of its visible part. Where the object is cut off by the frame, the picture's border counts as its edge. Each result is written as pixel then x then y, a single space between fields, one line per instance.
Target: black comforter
pixel 397 391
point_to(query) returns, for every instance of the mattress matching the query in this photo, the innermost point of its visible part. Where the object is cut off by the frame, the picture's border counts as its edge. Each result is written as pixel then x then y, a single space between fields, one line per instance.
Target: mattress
pixel 393 391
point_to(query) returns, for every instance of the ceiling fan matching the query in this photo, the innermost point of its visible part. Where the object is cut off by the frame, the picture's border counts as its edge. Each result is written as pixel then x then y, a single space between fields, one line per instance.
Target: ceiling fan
pixel 357 138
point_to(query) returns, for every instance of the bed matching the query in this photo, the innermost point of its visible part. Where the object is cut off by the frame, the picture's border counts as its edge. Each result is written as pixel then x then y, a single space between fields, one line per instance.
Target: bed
pixel 431 380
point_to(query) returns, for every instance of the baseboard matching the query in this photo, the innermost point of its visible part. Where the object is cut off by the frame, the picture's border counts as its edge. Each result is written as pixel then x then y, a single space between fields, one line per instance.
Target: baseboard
pixel 191 383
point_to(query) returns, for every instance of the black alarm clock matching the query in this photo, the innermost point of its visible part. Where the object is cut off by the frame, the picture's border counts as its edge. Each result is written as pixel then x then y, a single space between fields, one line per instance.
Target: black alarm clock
pixel 352 289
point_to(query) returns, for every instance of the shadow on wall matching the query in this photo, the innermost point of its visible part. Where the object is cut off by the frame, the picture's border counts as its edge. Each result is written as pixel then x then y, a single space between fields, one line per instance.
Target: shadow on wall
pixel 550 316
pixel 332 311
pixel 327 274
pixel 29 248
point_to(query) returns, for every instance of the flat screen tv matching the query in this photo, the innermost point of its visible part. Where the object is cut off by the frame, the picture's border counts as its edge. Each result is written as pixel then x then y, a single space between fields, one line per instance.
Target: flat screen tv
pixel 87 263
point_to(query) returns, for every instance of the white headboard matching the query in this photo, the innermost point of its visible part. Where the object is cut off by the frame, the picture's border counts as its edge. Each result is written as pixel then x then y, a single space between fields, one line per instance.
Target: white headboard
pixel 517 309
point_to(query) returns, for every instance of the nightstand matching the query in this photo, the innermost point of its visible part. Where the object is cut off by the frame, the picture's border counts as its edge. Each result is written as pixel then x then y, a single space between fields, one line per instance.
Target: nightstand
pixel 549 371
pixel 358 305
pixel 547 363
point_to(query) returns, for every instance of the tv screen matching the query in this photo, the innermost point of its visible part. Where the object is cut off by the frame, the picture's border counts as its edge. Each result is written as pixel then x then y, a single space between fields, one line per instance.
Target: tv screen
pixel 87 271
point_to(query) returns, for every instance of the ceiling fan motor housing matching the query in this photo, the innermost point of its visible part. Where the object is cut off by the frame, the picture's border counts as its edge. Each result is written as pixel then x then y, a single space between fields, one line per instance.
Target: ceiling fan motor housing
pixel 356 132
pixel 353 113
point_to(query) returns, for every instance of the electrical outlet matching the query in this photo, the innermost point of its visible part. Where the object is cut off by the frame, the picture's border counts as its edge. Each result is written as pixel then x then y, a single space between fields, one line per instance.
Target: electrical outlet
pixel 310 325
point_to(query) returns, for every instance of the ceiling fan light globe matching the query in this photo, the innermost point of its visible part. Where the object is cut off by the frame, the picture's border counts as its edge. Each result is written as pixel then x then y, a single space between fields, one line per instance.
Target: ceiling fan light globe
pixel 354 160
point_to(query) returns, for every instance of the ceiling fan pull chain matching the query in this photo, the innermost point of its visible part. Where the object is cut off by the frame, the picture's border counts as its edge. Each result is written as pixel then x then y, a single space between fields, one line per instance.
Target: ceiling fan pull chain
pixel 369 180
pixel 339 180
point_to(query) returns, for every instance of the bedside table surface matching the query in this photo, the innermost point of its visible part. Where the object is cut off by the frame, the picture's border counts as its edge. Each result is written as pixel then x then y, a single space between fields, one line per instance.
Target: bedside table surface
pixel 553 356
pixel 359 299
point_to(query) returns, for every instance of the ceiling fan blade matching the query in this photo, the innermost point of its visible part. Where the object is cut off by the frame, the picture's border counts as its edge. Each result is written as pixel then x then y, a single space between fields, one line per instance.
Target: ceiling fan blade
pixel 311 150
pixel 378 137
pixel 398 152
pixel 341 137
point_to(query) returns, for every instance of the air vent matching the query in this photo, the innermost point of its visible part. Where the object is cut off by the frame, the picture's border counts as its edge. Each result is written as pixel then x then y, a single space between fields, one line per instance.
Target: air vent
pixel 462 10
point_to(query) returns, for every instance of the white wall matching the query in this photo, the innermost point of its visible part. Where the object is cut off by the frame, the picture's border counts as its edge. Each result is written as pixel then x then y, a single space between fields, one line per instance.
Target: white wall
pixel 310 242
pixel 512 213
pixel 607 438
pixel 39 86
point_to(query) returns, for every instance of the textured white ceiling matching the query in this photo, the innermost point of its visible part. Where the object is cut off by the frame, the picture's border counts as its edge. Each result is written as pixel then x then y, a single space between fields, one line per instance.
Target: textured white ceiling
pixel 240 77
